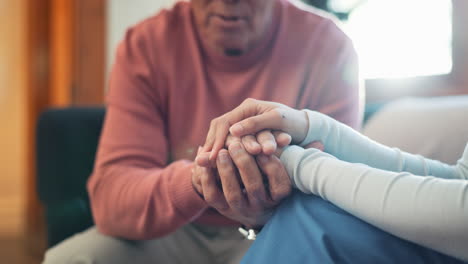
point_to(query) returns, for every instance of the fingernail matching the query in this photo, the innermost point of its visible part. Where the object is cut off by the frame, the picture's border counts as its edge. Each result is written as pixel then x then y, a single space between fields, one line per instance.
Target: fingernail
pixel 236 129
pixel 235 148
pixel 201 161
pixel 269 146
pixel 212 155
pixel 254 145
pixel 223 157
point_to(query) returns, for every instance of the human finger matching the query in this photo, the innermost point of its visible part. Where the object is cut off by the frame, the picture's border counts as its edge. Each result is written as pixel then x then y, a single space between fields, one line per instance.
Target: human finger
pixel 250 175
pixel 282 139
pixel 209 140
pixel 270 120
pixel 203 159
pixel 286 119
pixel 220 134
pixel 279 183
pixel 219 127
pixel 268 142
pixel 215 140
pixel 211 192
pixel 230 139
pixel 251 145
pixel 230 181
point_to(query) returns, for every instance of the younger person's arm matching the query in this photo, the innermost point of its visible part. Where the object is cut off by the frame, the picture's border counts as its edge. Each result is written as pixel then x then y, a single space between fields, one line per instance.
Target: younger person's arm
pixel 429 211
pixel 135 192
pixel 308 126
pixel 349 145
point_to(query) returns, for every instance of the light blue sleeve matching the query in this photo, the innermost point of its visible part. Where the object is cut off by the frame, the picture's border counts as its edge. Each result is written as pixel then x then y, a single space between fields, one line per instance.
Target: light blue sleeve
pixel 426 210
pixel 346 144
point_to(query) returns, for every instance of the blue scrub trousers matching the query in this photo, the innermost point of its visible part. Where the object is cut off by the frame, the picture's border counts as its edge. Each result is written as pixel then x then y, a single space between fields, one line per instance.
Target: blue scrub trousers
pixel 307 229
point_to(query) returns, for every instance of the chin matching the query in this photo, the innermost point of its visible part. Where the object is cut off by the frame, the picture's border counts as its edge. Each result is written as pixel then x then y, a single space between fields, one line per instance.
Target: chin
pixel 231 48
pixel 230 41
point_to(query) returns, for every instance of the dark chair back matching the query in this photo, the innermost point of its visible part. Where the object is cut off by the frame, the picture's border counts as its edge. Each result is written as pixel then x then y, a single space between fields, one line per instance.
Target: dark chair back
pixel 66 145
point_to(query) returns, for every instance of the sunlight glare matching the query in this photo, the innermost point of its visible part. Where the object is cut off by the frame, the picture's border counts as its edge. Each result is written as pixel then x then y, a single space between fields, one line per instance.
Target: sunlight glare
pixel 402 38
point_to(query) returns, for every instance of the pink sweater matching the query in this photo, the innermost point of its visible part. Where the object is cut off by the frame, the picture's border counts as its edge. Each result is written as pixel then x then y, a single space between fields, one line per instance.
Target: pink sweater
pixel 164 90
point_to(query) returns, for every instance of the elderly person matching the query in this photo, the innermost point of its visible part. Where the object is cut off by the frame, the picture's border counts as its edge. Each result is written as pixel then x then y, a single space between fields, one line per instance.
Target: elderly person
pixel 173 74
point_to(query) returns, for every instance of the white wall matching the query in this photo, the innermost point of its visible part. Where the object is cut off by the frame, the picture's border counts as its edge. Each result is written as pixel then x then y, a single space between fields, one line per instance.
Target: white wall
pixel 124 13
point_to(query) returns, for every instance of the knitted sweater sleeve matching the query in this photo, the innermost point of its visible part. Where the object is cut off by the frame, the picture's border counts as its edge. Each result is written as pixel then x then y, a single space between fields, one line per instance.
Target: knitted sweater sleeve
pixel 135 193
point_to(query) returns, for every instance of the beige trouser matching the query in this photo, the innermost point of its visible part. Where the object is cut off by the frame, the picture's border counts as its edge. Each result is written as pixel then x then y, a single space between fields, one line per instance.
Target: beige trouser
pixel 190 244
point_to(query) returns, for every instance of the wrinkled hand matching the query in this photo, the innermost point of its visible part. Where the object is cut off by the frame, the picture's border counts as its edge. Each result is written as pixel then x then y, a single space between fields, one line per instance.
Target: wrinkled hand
pixel 253 116
pixel 248 193
pixel 196 177
pixel 264 142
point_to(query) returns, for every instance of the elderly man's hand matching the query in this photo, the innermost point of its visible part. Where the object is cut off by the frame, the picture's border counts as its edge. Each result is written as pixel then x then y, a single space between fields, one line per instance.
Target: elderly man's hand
pixel 264 142
pixel 253 116
pixel 248 193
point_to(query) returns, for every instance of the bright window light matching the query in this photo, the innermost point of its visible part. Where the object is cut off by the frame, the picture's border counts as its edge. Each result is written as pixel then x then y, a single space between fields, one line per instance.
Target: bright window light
pixel 402 38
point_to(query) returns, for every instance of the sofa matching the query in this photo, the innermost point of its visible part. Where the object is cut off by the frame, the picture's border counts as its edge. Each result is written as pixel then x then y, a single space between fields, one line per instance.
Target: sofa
pixel 67 139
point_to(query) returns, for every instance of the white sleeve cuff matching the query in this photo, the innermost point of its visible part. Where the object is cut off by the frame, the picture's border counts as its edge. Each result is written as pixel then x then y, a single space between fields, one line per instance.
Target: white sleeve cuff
pixel 290 157
pixel 308 138
pixel 319 127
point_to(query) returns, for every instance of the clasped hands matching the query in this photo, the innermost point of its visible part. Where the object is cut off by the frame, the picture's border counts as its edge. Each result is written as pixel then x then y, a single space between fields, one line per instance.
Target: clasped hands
pixel 245 181
pixel 237 171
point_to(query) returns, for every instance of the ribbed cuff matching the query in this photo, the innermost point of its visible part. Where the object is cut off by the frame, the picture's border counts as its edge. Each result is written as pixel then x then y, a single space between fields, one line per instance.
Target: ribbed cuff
pixel 290 157
pixel 308 137
pixel 188 203
pixel 317 123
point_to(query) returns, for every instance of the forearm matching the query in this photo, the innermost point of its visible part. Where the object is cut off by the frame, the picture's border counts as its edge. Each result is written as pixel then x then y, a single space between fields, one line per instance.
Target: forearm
pixel 134 194
pixel 426 210
pixel 349 145
pixel 141 203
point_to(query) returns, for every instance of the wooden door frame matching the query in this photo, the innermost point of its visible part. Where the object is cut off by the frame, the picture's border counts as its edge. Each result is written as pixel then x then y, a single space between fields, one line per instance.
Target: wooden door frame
pixel 66 66
pixel 37 99
pixel 89 52
pixel 78 45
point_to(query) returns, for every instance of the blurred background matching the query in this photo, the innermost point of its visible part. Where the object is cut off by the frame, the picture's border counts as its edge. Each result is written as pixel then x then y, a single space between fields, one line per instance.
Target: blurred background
pixel 58 53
